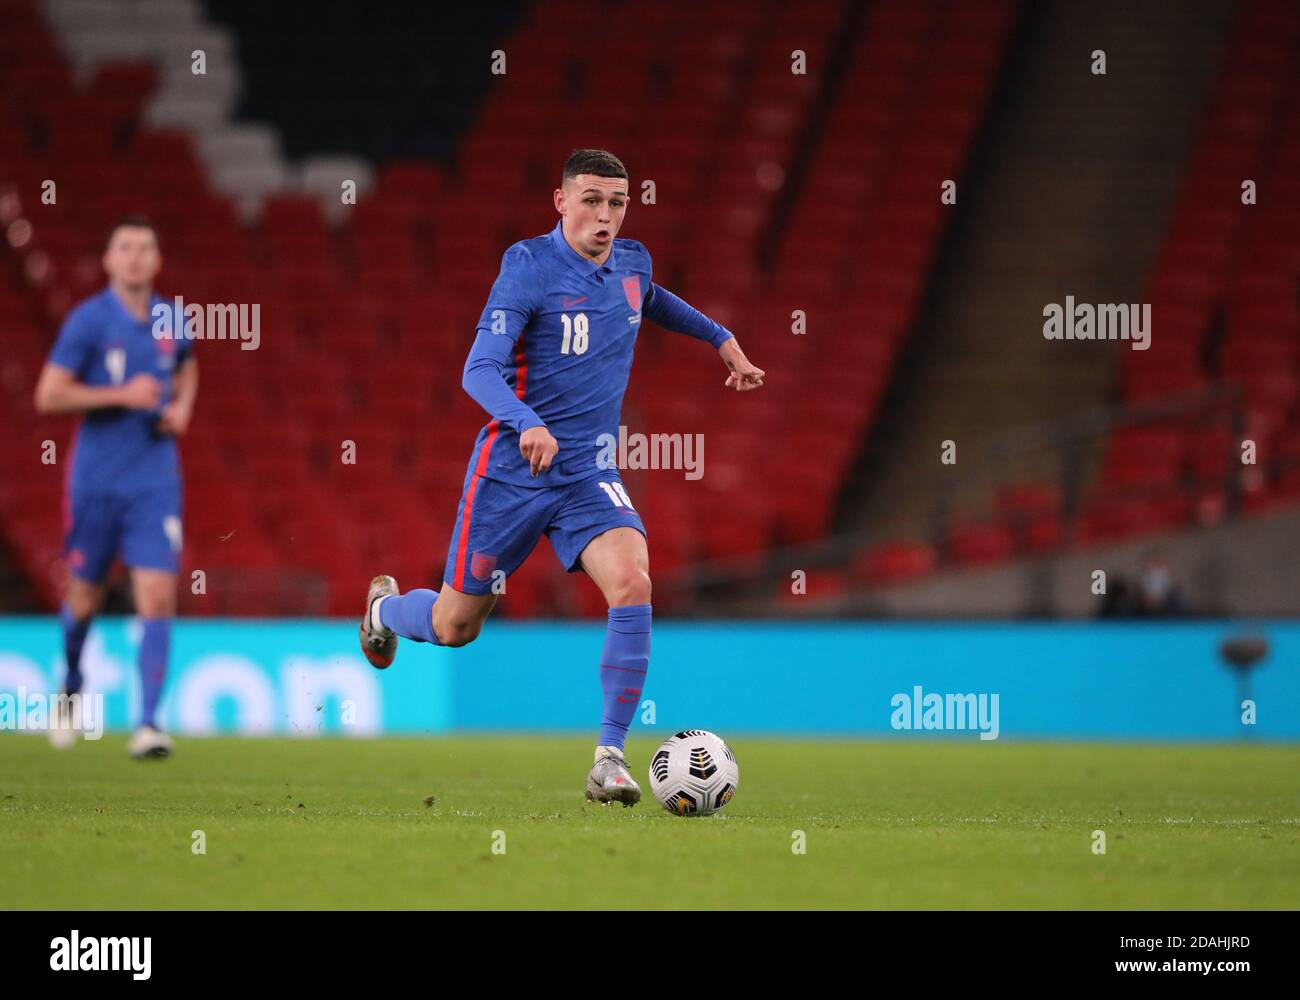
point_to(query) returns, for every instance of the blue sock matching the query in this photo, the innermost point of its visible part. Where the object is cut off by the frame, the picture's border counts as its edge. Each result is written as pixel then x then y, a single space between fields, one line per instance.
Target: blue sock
pixel 74 638
pixel 154 647
pixel 410 615
pixel 622 670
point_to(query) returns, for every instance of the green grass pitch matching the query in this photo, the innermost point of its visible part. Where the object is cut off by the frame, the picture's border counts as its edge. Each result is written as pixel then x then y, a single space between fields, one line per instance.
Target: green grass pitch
pixel 343 824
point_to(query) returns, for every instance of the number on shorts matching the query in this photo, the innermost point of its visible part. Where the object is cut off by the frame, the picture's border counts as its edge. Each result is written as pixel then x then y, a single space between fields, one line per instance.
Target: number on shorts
pixel 617 494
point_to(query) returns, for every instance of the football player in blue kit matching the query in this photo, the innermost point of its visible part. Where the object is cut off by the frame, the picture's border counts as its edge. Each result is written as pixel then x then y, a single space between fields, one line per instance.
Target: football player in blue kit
pixel 550 365
pixel 135 393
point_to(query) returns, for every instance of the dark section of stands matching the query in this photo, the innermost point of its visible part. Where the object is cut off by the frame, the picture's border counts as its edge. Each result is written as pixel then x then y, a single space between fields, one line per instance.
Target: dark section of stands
pixel 380 80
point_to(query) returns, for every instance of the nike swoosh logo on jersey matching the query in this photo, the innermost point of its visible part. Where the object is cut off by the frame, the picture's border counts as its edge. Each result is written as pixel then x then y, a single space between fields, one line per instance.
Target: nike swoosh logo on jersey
pixel 570 304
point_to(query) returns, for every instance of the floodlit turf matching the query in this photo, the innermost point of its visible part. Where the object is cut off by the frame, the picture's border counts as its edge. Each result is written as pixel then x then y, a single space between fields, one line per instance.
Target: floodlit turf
pixel 342 823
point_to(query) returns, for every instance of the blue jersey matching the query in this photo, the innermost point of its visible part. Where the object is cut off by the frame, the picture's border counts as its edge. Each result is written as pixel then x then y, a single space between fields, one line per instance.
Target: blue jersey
pixel 569 325
pixel 102 344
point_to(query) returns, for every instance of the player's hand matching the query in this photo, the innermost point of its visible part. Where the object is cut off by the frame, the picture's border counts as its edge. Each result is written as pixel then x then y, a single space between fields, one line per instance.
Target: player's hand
pixel 744 376
pixel 175 419
pixel 141 392
pixel 537 445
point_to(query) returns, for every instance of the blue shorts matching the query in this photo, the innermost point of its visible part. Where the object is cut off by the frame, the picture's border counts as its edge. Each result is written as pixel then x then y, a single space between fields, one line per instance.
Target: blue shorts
pixel 499 524
pixel 144 526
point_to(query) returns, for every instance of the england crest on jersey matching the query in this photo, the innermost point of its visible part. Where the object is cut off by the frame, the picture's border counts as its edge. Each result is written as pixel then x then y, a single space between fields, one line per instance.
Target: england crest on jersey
pixel 632 289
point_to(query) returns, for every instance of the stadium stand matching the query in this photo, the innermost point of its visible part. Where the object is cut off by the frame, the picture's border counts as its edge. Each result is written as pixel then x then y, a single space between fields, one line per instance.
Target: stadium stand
pixel 364 325
pixel 366 310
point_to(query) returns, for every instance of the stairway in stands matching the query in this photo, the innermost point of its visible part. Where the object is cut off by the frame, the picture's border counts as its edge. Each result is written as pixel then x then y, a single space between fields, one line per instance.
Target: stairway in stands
pixel 1072 198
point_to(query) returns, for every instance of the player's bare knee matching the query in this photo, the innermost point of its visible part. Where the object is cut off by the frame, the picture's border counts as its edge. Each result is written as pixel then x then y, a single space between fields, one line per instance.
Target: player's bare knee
pixel 155 604
pixel 458 632
pixel 82 599
pixel 632 587
pixel 79 606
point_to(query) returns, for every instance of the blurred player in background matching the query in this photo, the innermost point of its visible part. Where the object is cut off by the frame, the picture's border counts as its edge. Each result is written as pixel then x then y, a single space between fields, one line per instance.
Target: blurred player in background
pixel 550 364
pixel 136 394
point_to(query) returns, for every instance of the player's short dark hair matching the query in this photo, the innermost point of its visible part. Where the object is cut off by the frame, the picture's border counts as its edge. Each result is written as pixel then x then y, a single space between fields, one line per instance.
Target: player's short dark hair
pixel 597 162
pixel 132 222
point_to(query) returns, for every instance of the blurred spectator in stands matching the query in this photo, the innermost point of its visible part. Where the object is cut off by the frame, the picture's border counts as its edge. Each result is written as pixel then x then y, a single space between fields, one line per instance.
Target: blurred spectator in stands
pixel 1154 594
pixel 1118 602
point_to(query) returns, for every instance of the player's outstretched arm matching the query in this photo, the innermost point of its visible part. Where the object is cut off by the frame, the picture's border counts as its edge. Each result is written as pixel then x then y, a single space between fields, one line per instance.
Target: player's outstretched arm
pixel 672 313
pixel 58 391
